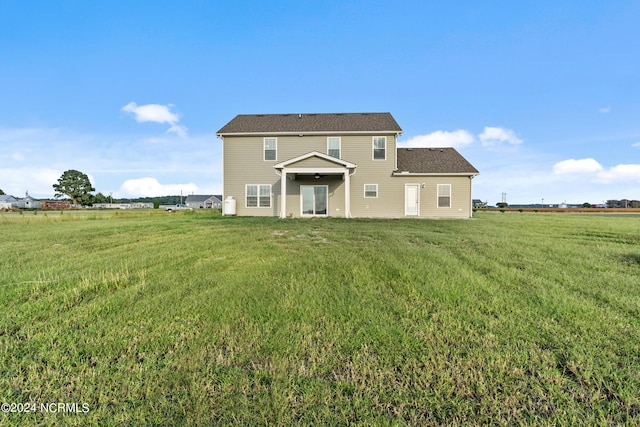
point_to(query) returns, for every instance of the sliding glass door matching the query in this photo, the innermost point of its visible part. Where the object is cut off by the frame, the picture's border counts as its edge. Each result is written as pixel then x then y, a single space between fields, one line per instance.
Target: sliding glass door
pixel 314 200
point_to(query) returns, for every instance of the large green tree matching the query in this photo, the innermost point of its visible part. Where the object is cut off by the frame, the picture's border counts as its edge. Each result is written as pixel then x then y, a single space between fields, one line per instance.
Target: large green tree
pixel 99 198
pixel 76 185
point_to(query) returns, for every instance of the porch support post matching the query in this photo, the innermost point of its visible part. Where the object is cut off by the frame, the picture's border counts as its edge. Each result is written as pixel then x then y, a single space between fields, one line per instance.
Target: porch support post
pixel 283 194
pixel 347 194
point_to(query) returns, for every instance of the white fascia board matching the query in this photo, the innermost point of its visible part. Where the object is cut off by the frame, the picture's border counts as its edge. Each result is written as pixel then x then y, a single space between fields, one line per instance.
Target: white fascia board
pixel 336 171
pixel 323 156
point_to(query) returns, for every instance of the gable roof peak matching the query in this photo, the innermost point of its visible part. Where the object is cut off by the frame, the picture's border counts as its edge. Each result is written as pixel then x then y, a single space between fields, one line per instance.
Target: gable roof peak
pixel 317 154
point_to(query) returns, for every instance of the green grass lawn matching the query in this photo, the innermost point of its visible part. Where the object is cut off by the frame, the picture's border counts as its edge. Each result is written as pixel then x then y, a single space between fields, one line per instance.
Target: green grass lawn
pixel 151 318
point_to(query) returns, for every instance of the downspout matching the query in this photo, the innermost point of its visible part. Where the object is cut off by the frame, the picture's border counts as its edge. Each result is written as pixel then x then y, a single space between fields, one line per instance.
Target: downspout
pixel 281 214
pixel 395 161
pixel 223 192
pixel 470 197
pixel 350 175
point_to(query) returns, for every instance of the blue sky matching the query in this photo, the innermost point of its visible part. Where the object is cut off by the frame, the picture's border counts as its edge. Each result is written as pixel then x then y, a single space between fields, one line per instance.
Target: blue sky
pixel 543 97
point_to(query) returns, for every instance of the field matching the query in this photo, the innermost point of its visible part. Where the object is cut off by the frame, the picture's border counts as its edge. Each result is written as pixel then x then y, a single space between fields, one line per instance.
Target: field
pixel 190 318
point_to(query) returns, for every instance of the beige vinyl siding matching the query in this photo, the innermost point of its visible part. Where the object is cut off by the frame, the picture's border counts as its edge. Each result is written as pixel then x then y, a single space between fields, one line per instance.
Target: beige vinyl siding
pixel 315 162
pixel 359 150
pixel 244 164
pixel 460 198
pixel 390 202
pixel 460 195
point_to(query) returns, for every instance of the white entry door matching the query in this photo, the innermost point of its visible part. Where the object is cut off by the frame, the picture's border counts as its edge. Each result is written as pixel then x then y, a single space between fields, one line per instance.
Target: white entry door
pixel 411 199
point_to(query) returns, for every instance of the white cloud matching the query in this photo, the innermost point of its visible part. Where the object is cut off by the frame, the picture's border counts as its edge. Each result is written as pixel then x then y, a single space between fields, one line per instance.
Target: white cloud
pixel 151 113
pixel 493 136
pixel 181 131
pixel 458 138
pixel 150 187
pixel 17 157
pixel 37 181
pixel 573 166
pixel 158 114
pixel 605 110
pixel 622 172
pixel 637 144
pixel 630 172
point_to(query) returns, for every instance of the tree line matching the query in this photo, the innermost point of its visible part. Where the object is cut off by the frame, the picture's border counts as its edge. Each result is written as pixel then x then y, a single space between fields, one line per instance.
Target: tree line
pixel 77 187
pixel 624 203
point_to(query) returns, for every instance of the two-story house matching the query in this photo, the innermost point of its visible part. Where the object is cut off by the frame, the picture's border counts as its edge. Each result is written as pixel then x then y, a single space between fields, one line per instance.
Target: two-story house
pixel 342 165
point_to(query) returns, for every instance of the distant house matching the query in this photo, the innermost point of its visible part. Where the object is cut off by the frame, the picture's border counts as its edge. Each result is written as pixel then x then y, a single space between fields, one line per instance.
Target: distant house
pixel 55 204
pixel 28 202
pixel 477 203
pixel 199 201
pixel 132 205
pixel 7 201
pixel 338 165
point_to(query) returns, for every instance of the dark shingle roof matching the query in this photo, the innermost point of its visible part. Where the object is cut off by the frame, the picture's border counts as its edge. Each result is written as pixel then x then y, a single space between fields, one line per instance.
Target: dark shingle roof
pixel 200 197
pixel 433 160
pixel 307 123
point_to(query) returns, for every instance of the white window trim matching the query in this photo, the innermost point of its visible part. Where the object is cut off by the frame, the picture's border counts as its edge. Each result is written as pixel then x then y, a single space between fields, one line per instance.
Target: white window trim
pixel 339 145
pixel 264 148
pixel 365 192
pixel 438 197
pixel 373 148
pixel 246 187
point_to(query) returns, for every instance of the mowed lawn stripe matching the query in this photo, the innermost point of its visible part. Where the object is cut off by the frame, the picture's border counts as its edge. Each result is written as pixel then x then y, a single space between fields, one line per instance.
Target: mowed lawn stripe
pixel 190 317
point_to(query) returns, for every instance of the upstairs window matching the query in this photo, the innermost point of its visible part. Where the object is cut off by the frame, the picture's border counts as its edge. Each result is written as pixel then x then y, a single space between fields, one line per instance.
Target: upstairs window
pixel 379 148
pixel 333 146
pixel 270 148
pixel 444 195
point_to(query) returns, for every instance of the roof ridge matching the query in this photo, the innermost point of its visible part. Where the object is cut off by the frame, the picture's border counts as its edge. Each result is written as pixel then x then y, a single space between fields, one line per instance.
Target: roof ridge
pixel 314 114
pixel 304 123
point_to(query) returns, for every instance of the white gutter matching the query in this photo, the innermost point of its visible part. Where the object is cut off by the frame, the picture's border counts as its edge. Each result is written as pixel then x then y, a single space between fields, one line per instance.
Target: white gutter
pixel 303 133
pixel 434 174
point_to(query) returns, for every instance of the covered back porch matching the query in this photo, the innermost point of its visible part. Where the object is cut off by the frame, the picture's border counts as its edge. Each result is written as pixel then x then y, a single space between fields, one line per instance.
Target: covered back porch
pixel 314 178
